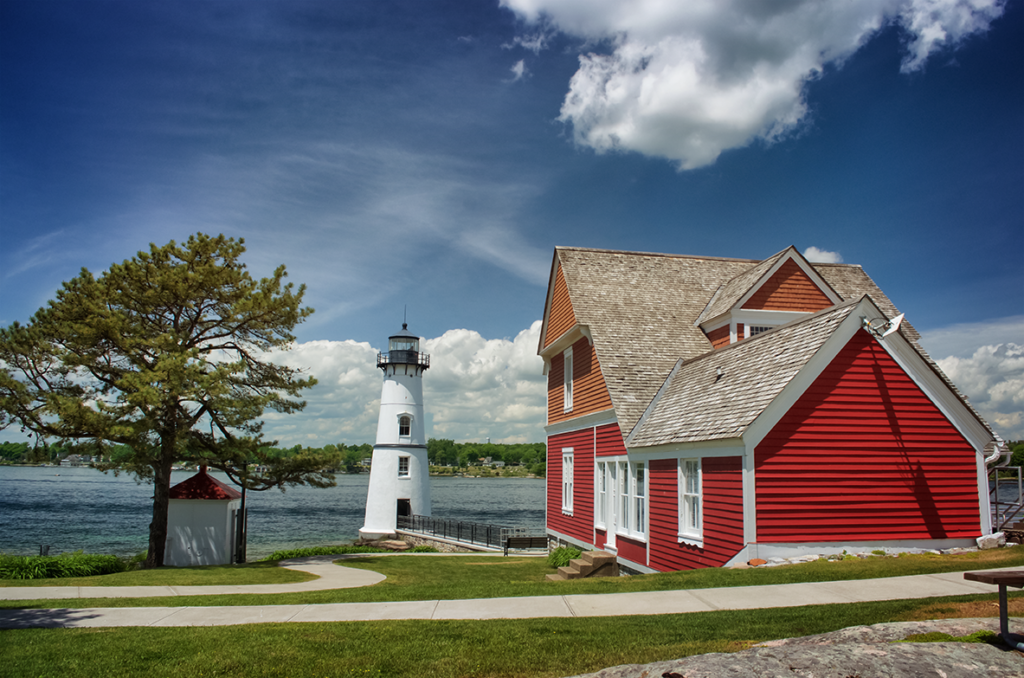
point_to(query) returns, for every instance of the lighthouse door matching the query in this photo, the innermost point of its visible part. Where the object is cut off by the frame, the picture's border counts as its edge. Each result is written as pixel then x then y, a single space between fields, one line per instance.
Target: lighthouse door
pixel 404 510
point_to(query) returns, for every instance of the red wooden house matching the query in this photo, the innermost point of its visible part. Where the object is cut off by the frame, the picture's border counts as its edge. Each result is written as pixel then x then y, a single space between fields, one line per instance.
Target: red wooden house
pixel 705 411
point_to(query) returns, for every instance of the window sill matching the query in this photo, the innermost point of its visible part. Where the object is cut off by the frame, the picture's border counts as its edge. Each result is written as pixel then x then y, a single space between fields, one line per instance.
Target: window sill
pixel 567 512
pixel 691 541
pixel 634 536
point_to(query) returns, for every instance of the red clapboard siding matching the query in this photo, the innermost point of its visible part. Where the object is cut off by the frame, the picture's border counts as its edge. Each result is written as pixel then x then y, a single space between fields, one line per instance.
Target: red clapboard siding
pixel 789 289
pixel 719 337
pixel 865 455
pixel 589 393
pixel 631 549
pixel 561 316
pixel 580 524
pixel 609 441
pixel 723 515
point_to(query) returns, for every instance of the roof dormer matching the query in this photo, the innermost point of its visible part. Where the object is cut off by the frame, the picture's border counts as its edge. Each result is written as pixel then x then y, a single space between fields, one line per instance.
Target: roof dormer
pixel 773 292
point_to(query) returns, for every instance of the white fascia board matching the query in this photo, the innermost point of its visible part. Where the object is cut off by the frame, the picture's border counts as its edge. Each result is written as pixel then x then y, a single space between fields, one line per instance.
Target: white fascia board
pixel 547 301
pixel 923 374
pixel 568 338
pixel 749 316
pixel 749 480
pixel 586 421
pixel 804 266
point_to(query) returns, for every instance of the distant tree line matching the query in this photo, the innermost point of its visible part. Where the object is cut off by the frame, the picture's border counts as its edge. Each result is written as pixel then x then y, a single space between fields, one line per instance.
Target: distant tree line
pixel 440 452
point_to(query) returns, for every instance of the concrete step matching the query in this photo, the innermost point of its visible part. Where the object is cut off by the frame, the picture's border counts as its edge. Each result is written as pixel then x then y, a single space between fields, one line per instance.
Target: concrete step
pixel 589 564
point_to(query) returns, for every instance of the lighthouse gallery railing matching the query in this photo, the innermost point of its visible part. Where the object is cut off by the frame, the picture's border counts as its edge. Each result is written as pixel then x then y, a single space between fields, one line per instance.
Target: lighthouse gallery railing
pixel 480 534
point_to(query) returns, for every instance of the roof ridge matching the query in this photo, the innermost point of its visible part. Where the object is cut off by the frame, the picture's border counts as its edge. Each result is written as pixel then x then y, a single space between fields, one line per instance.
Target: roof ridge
pixel 565 248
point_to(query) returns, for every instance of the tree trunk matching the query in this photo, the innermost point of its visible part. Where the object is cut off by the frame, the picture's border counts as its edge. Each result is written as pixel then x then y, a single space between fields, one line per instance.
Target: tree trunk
pixel 161 501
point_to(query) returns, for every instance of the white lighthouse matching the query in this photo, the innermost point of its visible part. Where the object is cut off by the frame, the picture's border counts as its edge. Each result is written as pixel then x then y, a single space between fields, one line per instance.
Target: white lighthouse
pixel 399 473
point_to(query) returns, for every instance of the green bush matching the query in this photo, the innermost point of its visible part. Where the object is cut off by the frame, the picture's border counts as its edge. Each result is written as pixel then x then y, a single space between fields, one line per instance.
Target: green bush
pixel 77 564
pixel 423 548
pixel 561 556
pixel 322 551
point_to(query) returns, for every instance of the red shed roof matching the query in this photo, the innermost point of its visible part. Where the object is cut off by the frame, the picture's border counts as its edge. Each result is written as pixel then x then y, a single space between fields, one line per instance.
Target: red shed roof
pixel 203 486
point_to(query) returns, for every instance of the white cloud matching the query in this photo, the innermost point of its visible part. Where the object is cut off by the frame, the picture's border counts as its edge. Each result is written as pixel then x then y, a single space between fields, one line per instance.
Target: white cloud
pixel 518 70
pixel 687 80
pixel 993 379
pixel 475 388
pixel 964 339
pixel 935 24
pixel 812 253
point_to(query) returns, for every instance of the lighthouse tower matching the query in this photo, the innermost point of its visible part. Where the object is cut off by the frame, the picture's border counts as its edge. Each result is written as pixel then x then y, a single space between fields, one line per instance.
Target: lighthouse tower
pixel 399 473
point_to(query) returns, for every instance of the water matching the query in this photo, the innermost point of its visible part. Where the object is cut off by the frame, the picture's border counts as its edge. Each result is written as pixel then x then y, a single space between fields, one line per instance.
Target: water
pixel 82 508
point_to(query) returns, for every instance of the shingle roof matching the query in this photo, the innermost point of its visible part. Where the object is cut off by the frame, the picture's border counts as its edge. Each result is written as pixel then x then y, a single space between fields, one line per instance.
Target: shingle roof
pixel 696 404
pixel 729 293
pixel 640 309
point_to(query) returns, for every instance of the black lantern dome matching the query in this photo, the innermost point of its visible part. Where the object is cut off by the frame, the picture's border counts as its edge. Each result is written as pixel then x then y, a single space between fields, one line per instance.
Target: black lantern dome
pixel 403 349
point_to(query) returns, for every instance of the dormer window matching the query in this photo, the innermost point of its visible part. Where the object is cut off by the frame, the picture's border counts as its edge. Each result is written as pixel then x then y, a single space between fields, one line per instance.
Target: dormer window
pixel 758 329
pixel 404 425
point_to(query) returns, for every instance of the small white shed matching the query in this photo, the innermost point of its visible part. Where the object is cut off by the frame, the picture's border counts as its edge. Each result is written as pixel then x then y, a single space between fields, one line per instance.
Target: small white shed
pixel 201 522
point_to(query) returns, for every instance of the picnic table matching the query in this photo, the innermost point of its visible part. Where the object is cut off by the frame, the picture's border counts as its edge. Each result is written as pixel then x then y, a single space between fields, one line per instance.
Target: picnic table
pixel 1002 579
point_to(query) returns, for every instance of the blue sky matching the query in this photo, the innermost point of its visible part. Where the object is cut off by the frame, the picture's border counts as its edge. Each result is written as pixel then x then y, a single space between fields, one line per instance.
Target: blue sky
pixel 432 154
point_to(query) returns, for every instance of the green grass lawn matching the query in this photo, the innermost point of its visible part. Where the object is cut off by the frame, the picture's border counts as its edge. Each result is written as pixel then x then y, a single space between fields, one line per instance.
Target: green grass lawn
pixel 529 648
pixel 456 577
pixel 214 575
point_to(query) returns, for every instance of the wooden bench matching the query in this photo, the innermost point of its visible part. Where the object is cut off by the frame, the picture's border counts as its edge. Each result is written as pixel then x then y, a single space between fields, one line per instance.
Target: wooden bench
pixel 525 543
pixel 1002 579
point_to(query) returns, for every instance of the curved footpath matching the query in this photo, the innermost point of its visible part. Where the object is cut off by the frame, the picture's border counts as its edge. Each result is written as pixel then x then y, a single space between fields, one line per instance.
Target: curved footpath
pixel 334 577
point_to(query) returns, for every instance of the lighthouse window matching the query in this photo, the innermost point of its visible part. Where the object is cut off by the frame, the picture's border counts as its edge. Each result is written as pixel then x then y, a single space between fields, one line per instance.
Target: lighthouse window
pixel 403 467
pixel 404 425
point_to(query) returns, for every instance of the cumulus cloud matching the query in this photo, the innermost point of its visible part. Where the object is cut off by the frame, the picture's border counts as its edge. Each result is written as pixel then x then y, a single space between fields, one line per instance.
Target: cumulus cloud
pixel 687 80
pixel 475 388
pixel 518 70
pixel 963 339
pixel 993 379
pixel 812 253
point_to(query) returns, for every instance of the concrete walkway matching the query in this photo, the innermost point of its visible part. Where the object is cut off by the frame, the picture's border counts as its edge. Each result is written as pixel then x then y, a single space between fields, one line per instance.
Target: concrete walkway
pixel 596 605
pixel 331 576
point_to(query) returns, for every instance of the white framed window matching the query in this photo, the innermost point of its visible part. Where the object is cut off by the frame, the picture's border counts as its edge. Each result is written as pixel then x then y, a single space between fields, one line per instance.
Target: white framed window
pixel 638 517
pixel 404 425
pixel 758 329
pixel 632 499
pixel 567 381
pixel 567 471
pixel 691 520
pixel 601 483
pixel 403 467
pixel 623 490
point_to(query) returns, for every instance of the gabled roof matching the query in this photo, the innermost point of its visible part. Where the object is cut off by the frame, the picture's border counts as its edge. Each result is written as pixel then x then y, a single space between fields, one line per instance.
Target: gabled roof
pixel 203 486
pixel 697 404
pixel 641 309
pixel 728 294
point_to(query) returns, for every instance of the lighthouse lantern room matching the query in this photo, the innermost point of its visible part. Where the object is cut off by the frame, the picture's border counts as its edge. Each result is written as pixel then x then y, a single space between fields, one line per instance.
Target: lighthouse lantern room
pixel 399 471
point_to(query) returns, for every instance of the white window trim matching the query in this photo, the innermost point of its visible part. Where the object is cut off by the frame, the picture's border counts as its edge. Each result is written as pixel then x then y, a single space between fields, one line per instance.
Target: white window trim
pixel 628 524
pixel 404 458
pixel 601 495
pixel 409 434
pixel 694 537
pixel 567 380
pixel 567 480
